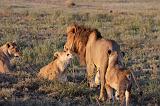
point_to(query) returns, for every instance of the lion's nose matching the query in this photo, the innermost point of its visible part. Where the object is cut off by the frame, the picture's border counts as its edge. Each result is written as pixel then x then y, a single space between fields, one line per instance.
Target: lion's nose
pixel 18 54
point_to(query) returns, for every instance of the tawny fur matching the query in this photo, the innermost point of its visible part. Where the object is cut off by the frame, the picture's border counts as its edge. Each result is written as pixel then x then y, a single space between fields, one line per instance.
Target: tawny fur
pixel 56 68
pixel 7 52
pixel 92 50
pixel 118 78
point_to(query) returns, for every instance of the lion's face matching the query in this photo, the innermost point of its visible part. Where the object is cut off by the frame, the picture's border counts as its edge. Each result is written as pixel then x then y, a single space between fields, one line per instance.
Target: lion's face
pixel 12 49
pixel 64 56
pixel 70 38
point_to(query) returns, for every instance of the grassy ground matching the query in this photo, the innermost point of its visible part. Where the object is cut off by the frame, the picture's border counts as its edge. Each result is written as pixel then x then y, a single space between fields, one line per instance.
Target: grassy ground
pixel 38 27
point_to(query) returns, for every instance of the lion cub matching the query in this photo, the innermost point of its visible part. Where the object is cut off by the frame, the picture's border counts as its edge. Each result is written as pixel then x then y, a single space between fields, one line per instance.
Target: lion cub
pixel 56 69
pixel 119 79
pixel 7 52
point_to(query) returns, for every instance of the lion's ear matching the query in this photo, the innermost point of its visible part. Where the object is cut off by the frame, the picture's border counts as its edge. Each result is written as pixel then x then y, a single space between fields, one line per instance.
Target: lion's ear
pixel 8 44
pixel 56 54
pixel 109 51
pixel 74 29
pixel 71 29
pixel 14 42
pixel 123 54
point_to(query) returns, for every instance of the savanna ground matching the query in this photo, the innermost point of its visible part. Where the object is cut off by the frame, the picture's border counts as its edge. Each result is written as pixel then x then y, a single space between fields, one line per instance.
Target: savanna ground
pixel 39 25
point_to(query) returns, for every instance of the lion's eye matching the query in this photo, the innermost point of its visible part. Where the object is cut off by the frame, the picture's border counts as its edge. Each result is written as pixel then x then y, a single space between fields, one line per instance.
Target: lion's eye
pixel 67 54
pixel 66 49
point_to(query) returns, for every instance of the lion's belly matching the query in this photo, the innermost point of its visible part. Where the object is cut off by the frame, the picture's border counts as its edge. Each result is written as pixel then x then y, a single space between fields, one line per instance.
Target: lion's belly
pixel 112 83
pixel 115 86
pixel 112 78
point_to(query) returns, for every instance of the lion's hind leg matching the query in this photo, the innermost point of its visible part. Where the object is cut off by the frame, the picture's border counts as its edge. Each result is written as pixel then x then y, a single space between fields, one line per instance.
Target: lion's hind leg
pixel 122 97
pixel 117 95
pixel 128 92
pixel 124 90
pixel 127 95
pixel 109 93
pixel 103 68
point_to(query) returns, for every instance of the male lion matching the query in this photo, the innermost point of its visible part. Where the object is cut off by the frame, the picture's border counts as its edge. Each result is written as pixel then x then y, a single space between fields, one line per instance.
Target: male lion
pixel 56 69
pixel 7 52
pixel 118 78
pixel 92 50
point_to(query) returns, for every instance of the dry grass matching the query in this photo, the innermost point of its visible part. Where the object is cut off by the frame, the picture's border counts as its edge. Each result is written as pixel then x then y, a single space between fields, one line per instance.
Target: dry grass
pixel 38 27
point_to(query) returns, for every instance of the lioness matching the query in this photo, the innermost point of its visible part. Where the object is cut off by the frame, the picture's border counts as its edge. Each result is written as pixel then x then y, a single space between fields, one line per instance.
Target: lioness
pixel 56 69
pixel 118 78
pixel 92 51
pixel 7 52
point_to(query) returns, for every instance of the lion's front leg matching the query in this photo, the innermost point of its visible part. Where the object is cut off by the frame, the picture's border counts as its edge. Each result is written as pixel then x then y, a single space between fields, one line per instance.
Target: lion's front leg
pixel 109 93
